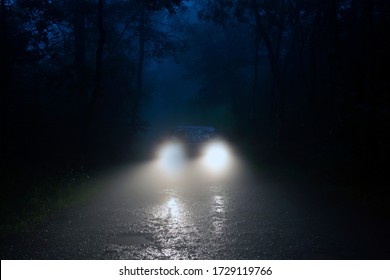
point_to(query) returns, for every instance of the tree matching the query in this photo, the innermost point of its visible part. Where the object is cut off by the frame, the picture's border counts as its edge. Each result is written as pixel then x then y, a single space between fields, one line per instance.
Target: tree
pixel 97 90
pixel 269 23
pixel 149 35
pixel 79 10
pixel 5 72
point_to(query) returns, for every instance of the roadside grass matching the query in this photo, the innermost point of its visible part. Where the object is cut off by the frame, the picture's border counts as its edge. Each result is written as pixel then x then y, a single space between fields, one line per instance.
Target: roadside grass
pixel 25 204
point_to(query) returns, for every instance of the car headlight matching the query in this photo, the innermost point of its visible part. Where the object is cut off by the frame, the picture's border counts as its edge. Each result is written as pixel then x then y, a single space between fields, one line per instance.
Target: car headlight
pixel 216 156
pixel 172 156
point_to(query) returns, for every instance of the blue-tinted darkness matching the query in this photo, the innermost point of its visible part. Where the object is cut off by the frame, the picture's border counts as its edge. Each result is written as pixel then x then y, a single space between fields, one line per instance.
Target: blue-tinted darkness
pixel 300 88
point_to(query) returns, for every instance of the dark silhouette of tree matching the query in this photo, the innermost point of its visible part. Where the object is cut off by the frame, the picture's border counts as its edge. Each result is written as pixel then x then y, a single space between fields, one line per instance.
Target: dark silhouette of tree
pixel 79 18
pixel 311 74
pixel 97 90
pixel 5 73
pixel 269 23
pixel 157 42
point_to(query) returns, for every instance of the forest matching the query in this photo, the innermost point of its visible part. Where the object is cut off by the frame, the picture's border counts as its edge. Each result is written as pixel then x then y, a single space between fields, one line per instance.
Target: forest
pixel 300 86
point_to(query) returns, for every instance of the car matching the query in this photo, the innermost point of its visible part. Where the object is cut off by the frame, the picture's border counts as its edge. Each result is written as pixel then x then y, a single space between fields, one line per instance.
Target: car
pixel 201 144
pixel 192 137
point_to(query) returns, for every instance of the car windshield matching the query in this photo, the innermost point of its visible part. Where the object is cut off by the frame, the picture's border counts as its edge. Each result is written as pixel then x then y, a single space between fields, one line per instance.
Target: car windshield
pixel 193 133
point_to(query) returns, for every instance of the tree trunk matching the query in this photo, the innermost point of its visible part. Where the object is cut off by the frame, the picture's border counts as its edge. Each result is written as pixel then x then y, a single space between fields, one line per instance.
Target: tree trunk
pixel 279 98
pixel 302 44
pixel 98 73
pixel 5 77
pixel 139 79
pixel 79 58
pixel 368 50
pixel 334 58
pixel 253 115
pixel 279 28
pixel 312 92
pixel 354 53
pixel 372 133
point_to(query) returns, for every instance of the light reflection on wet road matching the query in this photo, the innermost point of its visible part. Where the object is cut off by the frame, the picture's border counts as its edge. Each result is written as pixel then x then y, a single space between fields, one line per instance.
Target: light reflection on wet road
pixel 138 216
pixel 212 222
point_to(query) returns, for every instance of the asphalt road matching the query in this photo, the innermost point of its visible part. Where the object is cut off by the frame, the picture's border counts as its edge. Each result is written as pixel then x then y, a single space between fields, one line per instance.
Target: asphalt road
pixel 141 215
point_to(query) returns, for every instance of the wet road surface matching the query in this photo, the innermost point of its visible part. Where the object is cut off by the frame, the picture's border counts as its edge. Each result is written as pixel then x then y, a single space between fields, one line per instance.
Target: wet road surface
pixel 140 216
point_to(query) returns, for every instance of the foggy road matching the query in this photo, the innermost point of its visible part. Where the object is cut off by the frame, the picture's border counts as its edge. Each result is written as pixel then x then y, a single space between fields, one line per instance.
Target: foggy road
pixel 140 216
pixel 91 89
